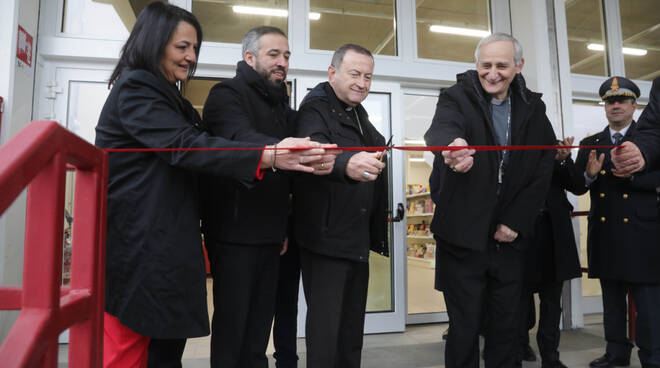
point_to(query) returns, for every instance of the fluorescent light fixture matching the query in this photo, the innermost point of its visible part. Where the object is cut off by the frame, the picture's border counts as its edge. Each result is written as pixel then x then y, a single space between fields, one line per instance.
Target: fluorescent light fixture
pixel 596 47
pixel 414 141
pixel 626 50
pixel 416 159
pixel 269 11
pixel 632 51
pixel 260 11
pixel 459 31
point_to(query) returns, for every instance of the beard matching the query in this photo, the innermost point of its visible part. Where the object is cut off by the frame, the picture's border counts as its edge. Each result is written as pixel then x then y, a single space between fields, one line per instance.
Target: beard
pixel 266 74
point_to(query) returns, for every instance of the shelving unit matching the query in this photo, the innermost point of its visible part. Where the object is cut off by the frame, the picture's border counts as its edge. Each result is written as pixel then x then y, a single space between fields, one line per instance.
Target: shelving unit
pixel 421 246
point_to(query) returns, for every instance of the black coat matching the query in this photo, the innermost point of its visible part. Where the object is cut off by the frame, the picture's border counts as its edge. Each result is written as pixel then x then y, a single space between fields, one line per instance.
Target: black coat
pixel 624 227
pixel 468 206
pixel 555 257
pixel 648 136
pixel 337 216
pixel 155 276
pixel 246 109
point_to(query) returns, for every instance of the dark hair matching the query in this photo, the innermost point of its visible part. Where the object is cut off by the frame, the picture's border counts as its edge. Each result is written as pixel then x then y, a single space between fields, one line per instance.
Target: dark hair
pixel 251 38
pixel 146 44
pixel 338 56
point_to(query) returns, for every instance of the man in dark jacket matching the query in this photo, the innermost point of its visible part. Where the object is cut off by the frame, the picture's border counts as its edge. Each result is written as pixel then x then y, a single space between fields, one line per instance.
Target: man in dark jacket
pixel 552 259
pixel 337 218
pixel 630 159
pixel 624 228
pixel 487 201
pixel 245 228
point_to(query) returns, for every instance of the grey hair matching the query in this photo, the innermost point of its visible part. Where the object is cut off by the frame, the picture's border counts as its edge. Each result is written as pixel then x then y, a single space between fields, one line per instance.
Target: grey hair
pixel 251 39
pixel 338 56
pixel 518 53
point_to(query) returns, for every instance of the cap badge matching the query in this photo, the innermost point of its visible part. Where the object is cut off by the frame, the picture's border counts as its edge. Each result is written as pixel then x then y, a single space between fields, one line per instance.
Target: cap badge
pixel 615 84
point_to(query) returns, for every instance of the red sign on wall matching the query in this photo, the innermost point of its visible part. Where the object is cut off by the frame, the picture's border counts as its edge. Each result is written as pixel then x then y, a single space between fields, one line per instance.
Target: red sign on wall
pixel 24 46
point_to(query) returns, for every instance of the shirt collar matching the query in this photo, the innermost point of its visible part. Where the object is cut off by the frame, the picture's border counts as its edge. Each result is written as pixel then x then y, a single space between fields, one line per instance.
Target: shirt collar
pixel 622 131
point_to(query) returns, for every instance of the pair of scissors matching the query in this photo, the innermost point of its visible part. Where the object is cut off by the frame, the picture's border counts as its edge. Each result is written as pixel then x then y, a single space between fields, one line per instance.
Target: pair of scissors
pixel 388 147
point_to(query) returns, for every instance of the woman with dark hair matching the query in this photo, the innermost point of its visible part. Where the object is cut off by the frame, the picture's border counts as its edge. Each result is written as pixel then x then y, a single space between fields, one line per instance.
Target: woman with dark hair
pixel 155 275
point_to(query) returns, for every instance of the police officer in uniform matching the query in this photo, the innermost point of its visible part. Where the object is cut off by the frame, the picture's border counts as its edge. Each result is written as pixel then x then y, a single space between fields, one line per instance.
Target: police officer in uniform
pixel 624 228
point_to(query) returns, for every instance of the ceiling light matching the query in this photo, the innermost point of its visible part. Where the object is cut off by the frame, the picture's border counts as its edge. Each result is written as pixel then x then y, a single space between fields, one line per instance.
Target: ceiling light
pixel 414 141
pixel 595 47
pixel 626 50
pixel 460 31
pixel 416 159
pixel 259 11
pixel 269 11
pixel 632 51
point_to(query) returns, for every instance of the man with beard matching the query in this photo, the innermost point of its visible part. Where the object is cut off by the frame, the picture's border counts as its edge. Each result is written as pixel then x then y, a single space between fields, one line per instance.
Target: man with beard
pixel 487 201
pixel 245 228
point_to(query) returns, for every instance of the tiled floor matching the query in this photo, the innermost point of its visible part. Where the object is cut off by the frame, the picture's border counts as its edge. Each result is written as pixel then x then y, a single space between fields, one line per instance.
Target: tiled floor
pixel 421 347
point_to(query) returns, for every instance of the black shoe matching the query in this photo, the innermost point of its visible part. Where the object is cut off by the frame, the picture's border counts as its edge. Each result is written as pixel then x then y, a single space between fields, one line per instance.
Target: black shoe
pixel 517 364
pixel 608 361
pixel 527 354
pixel 553 364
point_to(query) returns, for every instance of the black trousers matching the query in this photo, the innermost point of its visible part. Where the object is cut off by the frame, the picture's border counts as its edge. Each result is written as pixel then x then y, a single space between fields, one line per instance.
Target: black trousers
pixel 244 287
pixel 548 334
pixel 474 280
pixel 336 294
pixel 165 353
pixel 647 302
pixel 286 309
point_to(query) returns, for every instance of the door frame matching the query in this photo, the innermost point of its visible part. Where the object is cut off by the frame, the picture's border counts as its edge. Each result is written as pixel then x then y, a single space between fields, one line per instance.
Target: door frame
pixel 391 321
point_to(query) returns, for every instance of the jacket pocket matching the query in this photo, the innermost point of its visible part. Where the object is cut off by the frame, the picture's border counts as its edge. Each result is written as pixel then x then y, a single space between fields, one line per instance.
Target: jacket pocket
pixel 328 212
pixel 237 197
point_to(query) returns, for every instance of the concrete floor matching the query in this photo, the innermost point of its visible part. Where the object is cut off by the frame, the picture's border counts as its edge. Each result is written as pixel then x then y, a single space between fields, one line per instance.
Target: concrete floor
pixel 421 346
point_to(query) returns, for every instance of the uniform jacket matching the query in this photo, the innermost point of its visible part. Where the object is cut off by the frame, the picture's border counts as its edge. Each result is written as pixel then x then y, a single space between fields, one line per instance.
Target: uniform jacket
pixel 624 228
pixel 560 251
pixel 155 277
pixel 648 136
pixel 468 206
pixel 336 216
pixel 245 108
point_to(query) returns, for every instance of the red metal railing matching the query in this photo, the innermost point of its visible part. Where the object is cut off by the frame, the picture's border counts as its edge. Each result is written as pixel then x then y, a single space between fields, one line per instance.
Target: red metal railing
pixel 37 158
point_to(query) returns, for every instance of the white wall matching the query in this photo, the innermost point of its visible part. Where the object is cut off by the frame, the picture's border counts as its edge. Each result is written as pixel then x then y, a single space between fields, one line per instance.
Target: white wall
pixel 16 86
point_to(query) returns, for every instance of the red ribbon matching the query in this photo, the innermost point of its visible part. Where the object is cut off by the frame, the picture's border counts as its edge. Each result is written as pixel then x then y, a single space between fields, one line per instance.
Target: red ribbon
pixel 371 148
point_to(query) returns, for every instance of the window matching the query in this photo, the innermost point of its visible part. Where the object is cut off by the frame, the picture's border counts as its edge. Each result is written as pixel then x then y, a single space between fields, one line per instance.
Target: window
pixel 369 24
pixel 449 29
pixel 229 21
pixel 586 40
pixel 101 19
pixel 640 23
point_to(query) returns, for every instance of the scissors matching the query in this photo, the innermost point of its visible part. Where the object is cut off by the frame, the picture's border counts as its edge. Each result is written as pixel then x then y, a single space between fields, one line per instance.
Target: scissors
pixel 388 147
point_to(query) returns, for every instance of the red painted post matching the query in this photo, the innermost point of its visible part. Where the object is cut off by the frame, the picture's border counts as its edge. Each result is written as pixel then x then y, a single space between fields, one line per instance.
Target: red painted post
pixel 38 156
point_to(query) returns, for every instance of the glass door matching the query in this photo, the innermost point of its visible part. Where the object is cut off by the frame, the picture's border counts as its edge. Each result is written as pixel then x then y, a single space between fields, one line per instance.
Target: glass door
pixel 424 303
pixel 385 299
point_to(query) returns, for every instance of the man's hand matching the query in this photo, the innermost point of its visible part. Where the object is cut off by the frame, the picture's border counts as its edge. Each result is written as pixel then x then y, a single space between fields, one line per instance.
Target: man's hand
pixel 594 164
pixel 285 246
pixel 627 160
pixel 364 166
pixel 297 160
pixel 325 165
pixel 563 153
pixel 459 161
pixel 504 234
